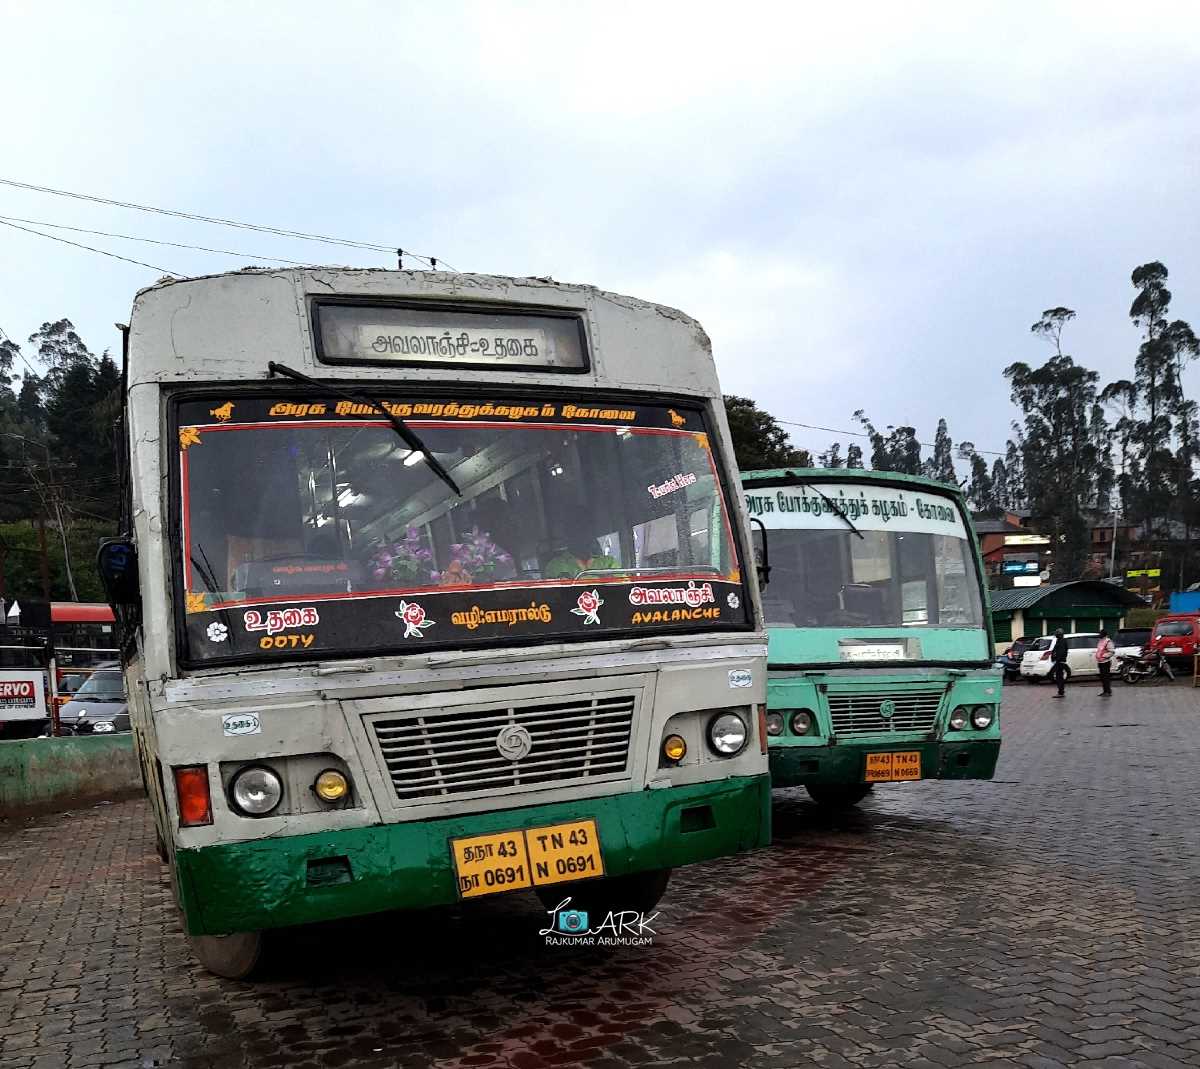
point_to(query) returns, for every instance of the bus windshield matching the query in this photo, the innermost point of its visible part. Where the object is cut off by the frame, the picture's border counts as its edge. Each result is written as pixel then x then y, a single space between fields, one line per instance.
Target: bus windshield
pixel 565 525
pixel 910 567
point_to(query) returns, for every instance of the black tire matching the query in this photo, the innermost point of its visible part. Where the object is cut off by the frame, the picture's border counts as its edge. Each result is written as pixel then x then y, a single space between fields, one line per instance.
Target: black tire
pixel 235 957
pixel 1034 679
pixel 1133 676
pixel 838 795
pixel 639 892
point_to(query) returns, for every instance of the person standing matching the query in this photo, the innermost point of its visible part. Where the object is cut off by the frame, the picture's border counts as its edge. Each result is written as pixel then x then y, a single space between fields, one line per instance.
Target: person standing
pixel 1058 657
pixel 1105 652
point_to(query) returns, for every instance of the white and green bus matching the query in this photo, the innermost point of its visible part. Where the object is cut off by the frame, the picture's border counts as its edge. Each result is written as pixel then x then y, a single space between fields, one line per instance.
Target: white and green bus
pixel 880 640
pixel 436 587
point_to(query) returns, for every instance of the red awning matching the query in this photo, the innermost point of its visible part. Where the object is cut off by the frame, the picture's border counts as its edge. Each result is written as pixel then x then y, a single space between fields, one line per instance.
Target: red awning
pixel 79 612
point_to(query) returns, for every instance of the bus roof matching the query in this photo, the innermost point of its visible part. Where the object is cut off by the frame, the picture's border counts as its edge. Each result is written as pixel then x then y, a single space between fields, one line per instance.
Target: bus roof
pixel 80 612
pixel 225 328
pixel 781 476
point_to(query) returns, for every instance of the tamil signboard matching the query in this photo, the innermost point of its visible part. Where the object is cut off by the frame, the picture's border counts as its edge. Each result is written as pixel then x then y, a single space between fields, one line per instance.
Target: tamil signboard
pixel 1027 580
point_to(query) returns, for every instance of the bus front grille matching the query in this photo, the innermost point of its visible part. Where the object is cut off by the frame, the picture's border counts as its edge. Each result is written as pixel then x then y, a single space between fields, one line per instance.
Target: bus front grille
pixel 437 754
pixel 884 712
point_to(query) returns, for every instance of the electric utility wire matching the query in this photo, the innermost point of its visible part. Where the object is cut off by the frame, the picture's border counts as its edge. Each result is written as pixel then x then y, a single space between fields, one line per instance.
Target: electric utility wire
pixel 24 359
pixel 861 434
pixel 89 248
pixel 219 221
pixel 150 241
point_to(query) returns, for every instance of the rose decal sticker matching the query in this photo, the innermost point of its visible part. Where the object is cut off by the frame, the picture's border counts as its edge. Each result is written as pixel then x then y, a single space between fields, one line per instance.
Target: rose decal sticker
pixel 733 601
pixel 414 619
pixel 217 632
pixel 588 605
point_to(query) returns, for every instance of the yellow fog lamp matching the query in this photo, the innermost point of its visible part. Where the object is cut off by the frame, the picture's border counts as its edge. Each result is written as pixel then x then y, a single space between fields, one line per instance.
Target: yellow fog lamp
pixel 674 748
pixel 331 786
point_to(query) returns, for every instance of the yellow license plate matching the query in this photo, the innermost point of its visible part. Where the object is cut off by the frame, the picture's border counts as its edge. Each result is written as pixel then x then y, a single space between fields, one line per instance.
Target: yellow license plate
pixel 510 860
pixel 887 767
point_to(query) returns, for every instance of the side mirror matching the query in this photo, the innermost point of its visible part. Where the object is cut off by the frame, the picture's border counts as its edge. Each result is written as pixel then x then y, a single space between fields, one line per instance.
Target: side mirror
pixel 118 568
pixel 762 554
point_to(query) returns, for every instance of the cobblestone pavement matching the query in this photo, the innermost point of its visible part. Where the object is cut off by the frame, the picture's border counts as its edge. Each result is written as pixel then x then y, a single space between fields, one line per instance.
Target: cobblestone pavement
pixel 1049 917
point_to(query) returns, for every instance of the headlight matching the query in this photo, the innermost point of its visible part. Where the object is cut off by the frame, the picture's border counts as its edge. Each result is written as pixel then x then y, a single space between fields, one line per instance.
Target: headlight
pixel 103 727
pixel 959 718
pixel 331 786
pixel 256 791
pixel 774 723
pixel 981 716
pixel 802 722
pixel 728 734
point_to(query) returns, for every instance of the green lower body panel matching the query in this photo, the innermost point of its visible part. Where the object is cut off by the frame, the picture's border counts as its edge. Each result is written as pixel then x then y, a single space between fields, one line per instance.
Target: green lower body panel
pixel 273 883
pixel 797 766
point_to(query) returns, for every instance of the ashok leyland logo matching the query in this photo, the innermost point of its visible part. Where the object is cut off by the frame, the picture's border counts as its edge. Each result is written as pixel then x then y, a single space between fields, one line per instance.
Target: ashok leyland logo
pixel 514 743
pixel 571 927
pixel 887 709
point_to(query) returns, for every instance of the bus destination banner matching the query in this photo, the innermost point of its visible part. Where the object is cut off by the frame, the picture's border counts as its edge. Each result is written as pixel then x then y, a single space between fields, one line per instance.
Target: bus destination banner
pixel 816 506
pixel 352 333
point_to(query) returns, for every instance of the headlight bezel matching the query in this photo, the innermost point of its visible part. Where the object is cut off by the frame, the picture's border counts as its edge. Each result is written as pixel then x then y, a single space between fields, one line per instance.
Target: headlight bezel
pixel 960 718
pixel 238 806
pixel 809 717
pixel 987 711
pixel 775 720
pixel 710 732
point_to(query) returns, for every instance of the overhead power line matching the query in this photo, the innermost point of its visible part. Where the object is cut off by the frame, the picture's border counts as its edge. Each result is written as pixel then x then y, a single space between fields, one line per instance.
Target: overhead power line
pixel 149 241
pixel 90 248
pixel 219 221
pixel 862 434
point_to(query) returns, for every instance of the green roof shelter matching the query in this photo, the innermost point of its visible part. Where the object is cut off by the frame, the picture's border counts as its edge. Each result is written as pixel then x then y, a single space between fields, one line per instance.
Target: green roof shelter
pixel 1081 605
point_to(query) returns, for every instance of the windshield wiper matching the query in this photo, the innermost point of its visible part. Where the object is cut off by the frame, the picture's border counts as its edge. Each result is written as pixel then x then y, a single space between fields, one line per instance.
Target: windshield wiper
pixel 834 507
pixel 407 435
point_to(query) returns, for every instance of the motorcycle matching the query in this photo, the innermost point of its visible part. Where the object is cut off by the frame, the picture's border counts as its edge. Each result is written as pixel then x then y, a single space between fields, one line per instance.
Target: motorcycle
pixel 1145 666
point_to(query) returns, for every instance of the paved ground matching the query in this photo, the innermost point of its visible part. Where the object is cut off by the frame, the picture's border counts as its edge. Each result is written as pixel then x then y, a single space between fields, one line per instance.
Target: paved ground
pixel 1050 917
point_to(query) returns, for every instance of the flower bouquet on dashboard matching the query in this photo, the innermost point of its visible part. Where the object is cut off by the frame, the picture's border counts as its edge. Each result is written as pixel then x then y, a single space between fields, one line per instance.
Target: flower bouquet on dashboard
pixel 475 559
pixel 406 562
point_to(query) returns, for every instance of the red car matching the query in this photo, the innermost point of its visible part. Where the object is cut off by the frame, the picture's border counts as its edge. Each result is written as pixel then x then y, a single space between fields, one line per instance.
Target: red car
pixel 1177 637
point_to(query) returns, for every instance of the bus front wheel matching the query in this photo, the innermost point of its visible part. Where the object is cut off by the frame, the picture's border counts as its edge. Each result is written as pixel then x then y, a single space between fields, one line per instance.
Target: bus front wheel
pixel 235 957
pixel 639 893
pixel 838 795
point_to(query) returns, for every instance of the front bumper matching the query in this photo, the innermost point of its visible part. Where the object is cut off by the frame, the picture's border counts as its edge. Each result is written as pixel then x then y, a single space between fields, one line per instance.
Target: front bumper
pixel 797 766
pixel 269 883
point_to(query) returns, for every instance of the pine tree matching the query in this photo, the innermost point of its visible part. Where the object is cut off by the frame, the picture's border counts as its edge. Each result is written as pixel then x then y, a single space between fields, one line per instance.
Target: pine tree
pixel 758 439
pixel 941 465
pixel 1000 493
pixel 899 450
pixel 832 457
pixel 1062 440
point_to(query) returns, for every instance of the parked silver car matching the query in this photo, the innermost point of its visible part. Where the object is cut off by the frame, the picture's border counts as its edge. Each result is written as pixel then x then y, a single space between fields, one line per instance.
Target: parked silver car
pixel 98 707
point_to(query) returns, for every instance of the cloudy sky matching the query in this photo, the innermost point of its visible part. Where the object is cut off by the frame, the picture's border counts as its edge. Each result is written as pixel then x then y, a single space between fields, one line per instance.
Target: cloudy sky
pixel 866 205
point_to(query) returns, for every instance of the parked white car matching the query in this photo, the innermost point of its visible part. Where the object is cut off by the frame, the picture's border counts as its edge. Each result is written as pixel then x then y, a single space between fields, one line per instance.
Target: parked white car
pixel 1081 656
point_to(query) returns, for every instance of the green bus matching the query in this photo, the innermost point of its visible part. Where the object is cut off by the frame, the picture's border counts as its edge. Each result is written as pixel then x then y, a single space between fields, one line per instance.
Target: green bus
pixel 435 586
pixel 880 664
